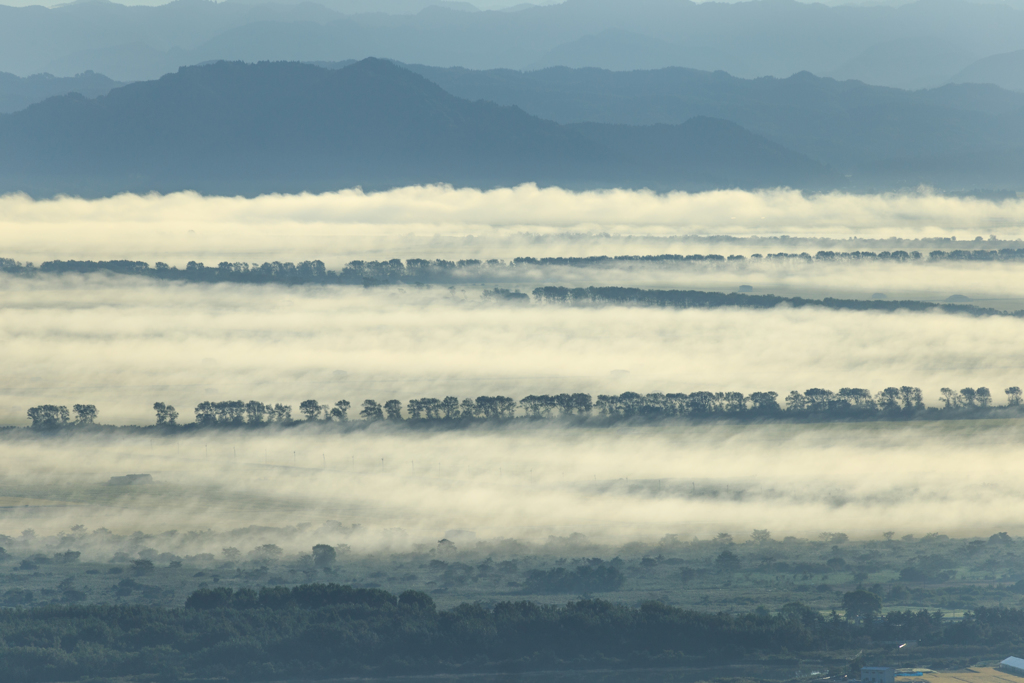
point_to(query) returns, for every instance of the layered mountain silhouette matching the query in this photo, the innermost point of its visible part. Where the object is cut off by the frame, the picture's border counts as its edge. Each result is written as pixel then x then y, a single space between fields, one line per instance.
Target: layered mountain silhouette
pixel 1005 70
pixel 959 137
pixel 234 128
pixel 918 44
pixel 17 93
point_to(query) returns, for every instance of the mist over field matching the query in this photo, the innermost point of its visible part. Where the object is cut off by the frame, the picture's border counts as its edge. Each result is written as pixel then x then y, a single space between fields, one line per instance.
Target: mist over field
pixel 443 222
pixel 406 490
pixel 125 343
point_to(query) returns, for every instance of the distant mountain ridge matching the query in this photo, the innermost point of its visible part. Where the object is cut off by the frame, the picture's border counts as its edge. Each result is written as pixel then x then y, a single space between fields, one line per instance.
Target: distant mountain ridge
pixel 919 44
pixel 18 93
pixel 964 136
pixel 233 128
pixel 1005 70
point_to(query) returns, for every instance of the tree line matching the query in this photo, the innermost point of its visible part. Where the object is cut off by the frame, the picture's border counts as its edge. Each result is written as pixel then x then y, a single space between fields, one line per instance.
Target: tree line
pixel 677 298
pixel 320 631
pixel 411 271
pixel 904 402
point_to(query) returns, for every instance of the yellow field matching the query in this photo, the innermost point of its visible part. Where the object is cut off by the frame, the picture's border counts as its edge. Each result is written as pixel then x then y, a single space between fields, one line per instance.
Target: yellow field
pixel 975 675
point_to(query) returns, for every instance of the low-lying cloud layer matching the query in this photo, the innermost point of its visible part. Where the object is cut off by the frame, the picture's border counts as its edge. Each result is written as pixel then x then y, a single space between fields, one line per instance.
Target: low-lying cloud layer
pixel 441 222
pixel 125 343
pixel 527 483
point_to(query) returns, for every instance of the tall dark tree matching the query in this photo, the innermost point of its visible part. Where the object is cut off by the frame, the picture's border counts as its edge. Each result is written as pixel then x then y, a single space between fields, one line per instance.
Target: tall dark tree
pixel 281 413
pixel 469 408
pixel 912 398
pixel 311 409
pixel 888 398
pixel 1014 396
pixel 205 413
pixel 255 412
pixel 795 401
pixel 582 404
pixel 450 407
pixel 324 555
pixel 85 414
pixel 984 397
pixel 860 603
pixel 735 402
pixel 950 398
pixel 393 408
pixel 340 410
pixel 765 401
pixel 415 409
pixel 165 414
pixel 371 411
pixel 969 397
pixel 48 416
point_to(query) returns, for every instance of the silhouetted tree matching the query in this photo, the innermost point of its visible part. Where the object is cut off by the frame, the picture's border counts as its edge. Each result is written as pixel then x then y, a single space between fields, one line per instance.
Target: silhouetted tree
pixel 415 409
pixel 860 603
pixel 912 398
pixel 48 416
pixel 85 414
pixel 165 414
pixel 280 413
pixel 1013 396
pixel 324 555
pixel 795 401
pixel 727 561
pixel 205 413
pixel 340 410
pixel 371 411
pixel 432 408
pixel 469 408
pixel 393 408
pixel 582 404
pixel 968 397
pixel 983 396
pixel 450 407
pixel 950 399
pixel 765 401
pixel 311 409
pixel 254 412
pixel 735 402
pixel 888 398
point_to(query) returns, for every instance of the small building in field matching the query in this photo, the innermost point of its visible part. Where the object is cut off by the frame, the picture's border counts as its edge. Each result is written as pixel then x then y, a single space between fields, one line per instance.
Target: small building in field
pixel 1014 665
pixel 877 674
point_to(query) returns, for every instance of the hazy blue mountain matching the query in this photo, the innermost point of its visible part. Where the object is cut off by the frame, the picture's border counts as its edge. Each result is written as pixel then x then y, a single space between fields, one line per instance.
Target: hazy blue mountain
pixel 229 128
pixel 917 62
pixel 763 37
pixel 17 93
pixel 856 128
pixel 1005 70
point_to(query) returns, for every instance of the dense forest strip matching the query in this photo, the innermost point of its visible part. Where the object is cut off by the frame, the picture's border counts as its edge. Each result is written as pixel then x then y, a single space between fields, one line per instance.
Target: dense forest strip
pixel 892 403
pixel 678 298
pixel 410 271
pixel 317 630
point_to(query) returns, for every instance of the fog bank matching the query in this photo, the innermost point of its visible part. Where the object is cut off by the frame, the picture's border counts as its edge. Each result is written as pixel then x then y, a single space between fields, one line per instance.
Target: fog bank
pixel 411 489
pixel 125 343
pixel 441 222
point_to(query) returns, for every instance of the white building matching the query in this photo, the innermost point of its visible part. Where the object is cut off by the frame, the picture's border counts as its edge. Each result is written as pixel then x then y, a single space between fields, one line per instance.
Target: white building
pixel 877 674
pixel 1014 664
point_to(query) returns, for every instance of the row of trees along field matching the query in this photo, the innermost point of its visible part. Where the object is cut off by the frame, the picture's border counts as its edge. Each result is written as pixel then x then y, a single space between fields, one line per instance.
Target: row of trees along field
pixel 430 270
pixel 318 631
pixel 895 401
pixel 685 298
